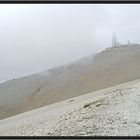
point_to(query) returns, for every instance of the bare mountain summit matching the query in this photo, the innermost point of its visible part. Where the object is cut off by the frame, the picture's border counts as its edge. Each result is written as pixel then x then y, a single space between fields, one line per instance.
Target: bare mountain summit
pixel 105 69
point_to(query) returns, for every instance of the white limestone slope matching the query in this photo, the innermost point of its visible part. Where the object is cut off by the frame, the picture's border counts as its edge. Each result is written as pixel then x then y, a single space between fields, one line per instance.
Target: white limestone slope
pixel 114 111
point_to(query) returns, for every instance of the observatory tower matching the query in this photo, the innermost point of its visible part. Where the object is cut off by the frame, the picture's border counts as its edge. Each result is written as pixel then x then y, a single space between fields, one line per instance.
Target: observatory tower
pixel 114 40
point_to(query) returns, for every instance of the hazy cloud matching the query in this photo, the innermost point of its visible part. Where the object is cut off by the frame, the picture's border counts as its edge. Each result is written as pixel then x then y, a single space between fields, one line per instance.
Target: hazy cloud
pixel 35 37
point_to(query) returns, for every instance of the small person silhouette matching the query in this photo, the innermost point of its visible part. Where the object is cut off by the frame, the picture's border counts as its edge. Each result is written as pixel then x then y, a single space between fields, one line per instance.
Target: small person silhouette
pixel 38 89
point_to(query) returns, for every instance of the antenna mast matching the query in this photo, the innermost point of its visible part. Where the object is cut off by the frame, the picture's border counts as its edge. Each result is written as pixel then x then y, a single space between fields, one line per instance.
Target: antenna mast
pixel 114 40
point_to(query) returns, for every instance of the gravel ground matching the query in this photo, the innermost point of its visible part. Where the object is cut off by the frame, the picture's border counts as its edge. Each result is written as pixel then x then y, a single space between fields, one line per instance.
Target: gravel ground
pixel 115 112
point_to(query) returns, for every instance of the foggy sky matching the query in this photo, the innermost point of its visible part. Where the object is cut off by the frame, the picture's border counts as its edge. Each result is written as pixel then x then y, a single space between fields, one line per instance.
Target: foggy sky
pixel 36 37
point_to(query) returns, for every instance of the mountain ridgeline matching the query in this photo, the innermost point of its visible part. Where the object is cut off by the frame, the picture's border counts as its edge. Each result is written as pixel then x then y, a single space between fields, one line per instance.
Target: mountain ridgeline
pixel 110 67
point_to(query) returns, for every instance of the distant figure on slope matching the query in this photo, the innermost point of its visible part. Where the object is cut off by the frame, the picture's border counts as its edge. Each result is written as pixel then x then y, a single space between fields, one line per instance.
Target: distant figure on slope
pixel 38 89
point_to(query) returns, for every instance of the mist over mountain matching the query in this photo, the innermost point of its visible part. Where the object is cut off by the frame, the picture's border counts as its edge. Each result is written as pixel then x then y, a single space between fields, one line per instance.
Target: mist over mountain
pixel 109 67
pixel 46 36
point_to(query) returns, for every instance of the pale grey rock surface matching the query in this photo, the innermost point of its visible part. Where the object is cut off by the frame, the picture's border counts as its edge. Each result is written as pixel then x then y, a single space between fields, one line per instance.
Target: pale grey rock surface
pixel 110 112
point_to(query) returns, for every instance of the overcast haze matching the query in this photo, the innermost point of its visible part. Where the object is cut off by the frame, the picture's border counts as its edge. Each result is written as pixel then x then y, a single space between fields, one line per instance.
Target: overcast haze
pixel 36 37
